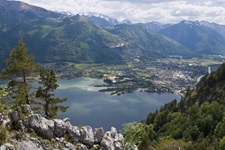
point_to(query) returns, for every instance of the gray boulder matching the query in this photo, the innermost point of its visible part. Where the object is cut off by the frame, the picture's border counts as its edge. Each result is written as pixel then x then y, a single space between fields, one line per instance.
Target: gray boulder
pixel 112 140
pixel 59 127
pixel 14 116
pixel 74 133
pixel 27 109
pixel 70 146
pixel 118 145
pixel 107 142
pixel 1 118
pixel 41 125
pixel 113 132
pixel 98 135
pixel 87 135
pixel 28 145
pixel 66 120
pixel 80 146
pixel 7 146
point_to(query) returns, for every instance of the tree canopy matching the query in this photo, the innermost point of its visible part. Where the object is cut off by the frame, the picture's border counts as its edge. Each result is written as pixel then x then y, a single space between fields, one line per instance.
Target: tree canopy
pixel 45 93
pixel 21 71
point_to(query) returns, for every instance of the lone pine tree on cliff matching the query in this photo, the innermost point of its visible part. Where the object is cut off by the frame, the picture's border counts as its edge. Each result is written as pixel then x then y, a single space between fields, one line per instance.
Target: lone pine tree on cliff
pixel 20 71
pixel 45 93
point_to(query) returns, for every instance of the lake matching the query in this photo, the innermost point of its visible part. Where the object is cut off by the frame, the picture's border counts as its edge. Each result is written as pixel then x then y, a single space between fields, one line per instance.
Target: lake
pixel 87 106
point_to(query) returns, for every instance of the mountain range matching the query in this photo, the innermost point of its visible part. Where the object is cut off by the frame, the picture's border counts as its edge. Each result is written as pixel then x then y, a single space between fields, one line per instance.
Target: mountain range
pixel 197 37
pixel 94 38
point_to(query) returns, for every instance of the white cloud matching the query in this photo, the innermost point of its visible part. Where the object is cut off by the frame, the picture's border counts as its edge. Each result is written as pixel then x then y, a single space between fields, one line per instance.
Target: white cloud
pixel 166 11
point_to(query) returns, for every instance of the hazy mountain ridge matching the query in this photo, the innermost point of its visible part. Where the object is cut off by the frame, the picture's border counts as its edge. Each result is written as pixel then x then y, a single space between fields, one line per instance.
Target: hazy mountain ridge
pixel 53 36
pixel 154 26
pixel 197 37
pixel 143 42
pixel 101 19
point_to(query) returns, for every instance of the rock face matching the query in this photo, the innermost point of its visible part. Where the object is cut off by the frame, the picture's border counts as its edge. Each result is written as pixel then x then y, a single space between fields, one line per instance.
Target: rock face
pixel 7 146
pixel 40 125
pixel 87 135
pixel 61 132
pixel 112 140
pixel 98 134
pixel 59 127
pixel 1 118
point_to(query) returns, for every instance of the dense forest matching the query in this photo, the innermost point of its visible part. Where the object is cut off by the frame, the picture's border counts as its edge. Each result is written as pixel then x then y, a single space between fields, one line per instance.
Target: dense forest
pixel 196 122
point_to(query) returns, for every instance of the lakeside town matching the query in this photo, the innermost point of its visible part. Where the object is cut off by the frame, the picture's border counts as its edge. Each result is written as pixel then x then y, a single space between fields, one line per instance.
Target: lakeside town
pixel 172 74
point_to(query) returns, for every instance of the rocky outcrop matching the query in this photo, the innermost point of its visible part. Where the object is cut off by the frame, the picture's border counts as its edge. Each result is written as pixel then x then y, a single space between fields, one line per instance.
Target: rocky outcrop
pixel 87 135
pixel 7 146
pixel 98 134
pixel 40 125
pixel 112 140
pixel 60 132
pixel 1 118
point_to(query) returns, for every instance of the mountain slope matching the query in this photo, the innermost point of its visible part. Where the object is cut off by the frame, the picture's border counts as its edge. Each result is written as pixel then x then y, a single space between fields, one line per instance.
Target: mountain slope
pixel 143 42
pixel 198 120
pixel 154 26
pixel 102 20
pixel 58 37
pixel 197 38
pixel 52 36
pixel 216 27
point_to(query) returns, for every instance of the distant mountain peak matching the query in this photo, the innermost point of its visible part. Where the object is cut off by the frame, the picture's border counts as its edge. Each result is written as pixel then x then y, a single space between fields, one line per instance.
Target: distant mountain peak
pixel 67 13
pixel 126 22
pixel 188 22
pixel 100 19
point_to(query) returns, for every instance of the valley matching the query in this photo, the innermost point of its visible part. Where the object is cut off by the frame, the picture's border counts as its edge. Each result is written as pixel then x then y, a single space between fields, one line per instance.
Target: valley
pixel 172 74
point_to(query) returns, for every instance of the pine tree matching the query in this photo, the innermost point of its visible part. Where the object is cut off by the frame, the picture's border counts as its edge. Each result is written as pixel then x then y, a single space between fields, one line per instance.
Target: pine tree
pixel 20 71
pixel 45 93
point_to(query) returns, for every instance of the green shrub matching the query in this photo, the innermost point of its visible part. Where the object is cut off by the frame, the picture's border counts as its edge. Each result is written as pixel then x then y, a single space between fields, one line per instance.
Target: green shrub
pixel 140 134
pixel 3 134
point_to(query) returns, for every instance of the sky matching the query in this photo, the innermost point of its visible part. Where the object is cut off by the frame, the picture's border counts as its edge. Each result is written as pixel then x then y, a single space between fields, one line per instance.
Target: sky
pixel 163 11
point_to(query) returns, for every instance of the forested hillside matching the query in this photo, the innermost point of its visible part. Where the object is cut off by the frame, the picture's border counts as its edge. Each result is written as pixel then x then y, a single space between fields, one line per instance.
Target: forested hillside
pixel 57 37
pixel 196 37
pixel 196 122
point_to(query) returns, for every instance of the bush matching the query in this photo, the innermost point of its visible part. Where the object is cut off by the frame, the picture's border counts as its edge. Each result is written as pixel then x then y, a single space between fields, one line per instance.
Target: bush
pixel 3 134
pixel 139 134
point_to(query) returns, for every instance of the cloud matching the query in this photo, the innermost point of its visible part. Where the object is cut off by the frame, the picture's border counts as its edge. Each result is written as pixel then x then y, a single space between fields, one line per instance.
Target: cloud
pixel 165 11
pixel 144 1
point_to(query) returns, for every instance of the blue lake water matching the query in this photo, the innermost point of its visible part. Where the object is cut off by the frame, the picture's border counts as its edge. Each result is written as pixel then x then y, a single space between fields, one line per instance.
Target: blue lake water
pixel 87 106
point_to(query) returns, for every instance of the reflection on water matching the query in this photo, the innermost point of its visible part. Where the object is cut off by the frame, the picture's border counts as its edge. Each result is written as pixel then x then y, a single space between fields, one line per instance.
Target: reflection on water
pixel 87 106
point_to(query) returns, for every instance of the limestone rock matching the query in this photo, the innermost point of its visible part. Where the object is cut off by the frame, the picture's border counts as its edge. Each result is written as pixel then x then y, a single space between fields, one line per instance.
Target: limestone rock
pixel 66 120
pixel 1 118
pixel 41 125
pixel 59 127
pixel 98 135
pixel 112 140
pixel 87 135
pixel 27 109
pixel 107 142
pixel 113 132
pixel 74 133
pixel 61 140
pixel 28 145
pixel 70 146
pixel 7 122
pixel 14 116
pixel 118 145
pixel 80 146
pixel 7 146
